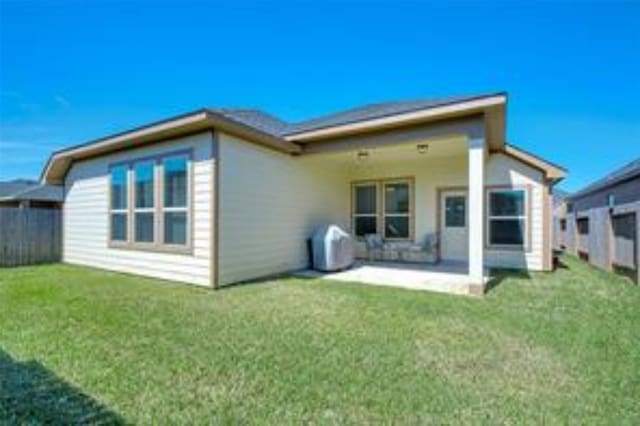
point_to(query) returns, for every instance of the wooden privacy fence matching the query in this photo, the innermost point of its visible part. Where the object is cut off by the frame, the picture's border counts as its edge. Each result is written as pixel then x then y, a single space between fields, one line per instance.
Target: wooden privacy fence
pixel 29 235
pixel 607 238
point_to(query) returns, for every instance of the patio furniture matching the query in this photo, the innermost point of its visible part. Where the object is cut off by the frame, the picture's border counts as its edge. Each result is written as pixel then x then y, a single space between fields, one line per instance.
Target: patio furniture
pixel 373 248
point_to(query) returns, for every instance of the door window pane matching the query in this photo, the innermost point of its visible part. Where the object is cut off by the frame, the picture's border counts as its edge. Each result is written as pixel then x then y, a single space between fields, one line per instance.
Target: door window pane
pixel 455 214
pixel 396 197
pixel 506 231
pixel 119 226
pixel 144 185
pixel 396 227
pixel 175 182
pixel 175 228
pixel 507 203
pixel 144 227
pixel 119 187
pixel 365 199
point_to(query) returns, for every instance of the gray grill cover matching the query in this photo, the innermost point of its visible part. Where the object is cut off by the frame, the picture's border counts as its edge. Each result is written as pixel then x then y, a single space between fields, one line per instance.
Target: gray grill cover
pixel 332 249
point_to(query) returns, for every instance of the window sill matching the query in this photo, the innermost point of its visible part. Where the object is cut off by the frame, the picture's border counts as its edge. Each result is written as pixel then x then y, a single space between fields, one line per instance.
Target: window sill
pixel 152 248
pixel 512 248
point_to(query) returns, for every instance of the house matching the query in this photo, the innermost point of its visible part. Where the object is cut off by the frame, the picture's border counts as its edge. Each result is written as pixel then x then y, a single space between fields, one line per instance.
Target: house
pixel 559 197
pixel 28 193
pixel 600 222
pixel 219 196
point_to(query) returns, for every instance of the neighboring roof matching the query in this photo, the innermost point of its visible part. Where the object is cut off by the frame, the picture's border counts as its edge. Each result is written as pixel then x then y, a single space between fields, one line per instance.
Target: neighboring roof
pixel 552 171
pixel 262 128
pixel 22 190
pixel 559 195
pixel 624 173
pixel 15 186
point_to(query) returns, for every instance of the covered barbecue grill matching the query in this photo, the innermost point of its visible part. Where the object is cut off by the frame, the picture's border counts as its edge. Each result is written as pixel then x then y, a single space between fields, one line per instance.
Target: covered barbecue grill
pixel 332 249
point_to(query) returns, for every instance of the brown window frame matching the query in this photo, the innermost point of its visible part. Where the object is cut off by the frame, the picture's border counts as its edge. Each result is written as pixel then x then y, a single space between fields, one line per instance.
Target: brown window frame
pixel 381 213
pixel 158 210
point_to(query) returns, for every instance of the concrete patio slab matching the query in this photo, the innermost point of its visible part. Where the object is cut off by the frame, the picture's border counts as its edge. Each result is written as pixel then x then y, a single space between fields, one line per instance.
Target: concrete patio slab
pixel 444 277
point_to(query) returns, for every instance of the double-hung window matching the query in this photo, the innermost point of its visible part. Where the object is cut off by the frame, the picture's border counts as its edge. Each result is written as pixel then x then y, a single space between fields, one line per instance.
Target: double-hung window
pixel 383 207
pixel 365 211
pixel 397 215
pixel 507 218
pixel 144 206
pixel 174 206
pixel 150 203
pixel 118 212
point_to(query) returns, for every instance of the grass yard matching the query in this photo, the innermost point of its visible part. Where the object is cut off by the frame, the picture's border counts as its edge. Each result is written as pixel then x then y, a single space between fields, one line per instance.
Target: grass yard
pixel 103 347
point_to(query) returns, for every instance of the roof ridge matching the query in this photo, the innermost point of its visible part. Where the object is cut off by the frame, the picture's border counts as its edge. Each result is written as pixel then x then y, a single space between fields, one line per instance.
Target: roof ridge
pixel 626 171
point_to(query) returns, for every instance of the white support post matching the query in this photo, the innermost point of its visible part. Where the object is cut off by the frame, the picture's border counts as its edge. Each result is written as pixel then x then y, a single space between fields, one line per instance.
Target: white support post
pixel 476 215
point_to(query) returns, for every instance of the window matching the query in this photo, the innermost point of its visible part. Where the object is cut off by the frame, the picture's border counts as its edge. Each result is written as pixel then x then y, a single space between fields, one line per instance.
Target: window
pixel 507 218
pixel 118 209
pixel 396 210
pixel 158 211
pixel 144 208
pixel 563 224
pixel 174 208
pixel 391 216
pixel 455 212
pixel 583 226
pixel 365 212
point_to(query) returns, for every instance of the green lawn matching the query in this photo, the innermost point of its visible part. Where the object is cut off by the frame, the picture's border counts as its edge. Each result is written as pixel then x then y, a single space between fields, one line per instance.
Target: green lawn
pixel 104 347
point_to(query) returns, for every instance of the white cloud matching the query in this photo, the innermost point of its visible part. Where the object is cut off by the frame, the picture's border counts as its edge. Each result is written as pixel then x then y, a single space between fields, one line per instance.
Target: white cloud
pixel 62 101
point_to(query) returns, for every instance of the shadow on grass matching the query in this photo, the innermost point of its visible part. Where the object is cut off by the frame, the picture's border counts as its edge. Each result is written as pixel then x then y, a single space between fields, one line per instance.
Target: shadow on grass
pixel 31 394
pixel 498 276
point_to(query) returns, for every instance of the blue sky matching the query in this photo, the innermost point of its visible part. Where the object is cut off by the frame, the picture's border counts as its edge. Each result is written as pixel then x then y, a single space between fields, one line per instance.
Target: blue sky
pixel 74 71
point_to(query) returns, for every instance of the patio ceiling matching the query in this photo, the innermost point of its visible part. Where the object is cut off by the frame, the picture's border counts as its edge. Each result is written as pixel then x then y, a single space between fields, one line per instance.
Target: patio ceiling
pixel 416 150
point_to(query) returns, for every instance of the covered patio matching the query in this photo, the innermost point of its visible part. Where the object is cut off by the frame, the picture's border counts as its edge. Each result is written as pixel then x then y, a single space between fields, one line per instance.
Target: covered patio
pixel 413 199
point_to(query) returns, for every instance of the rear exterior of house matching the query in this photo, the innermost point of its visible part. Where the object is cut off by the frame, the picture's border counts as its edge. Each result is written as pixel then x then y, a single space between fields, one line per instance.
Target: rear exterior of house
pixel 222 196
pixel 600 223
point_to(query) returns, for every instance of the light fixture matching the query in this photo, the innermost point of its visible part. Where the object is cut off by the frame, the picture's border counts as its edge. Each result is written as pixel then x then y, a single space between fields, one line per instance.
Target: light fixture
pixel 362 155
pixel 422 148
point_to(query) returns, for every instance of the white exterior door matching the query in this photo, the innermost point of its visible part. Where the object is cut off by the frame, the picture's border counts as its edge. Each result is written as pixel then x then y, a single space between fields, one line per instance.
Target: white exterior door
pixel 453 225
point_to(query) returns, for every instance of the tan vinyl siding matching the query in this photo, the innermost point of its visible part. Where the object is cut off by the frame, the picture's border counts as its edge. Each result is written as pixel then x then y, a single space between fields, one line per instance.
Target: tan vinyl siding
pixel 503 170
pixel 270 203
pixel 432 174
pixel 428 175
pixel 86 227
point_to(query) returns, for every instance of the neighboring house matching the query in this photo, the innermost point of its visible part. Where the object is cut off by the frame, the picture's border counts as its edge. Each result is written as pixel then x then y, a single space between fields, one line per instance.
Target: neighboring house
pixel 559 217
pixel 601 221
pixel 27 193
pixel 219 196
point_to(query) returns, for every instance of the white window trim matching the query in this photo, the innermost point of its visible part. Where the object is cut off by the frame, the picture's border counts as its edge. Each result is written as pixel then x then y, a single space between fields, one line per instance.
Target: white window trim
pixel 525 246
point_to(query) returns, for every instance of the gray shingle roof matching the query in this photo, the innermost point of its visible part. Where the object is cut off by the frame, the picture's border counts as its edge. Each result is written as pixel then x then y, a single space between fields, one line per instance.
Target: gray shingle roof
pixel 377 110
pixel 625 172
pixel 274 126
pixel 15 186
pixel 29 190
pixel 255 118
